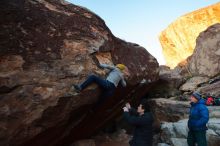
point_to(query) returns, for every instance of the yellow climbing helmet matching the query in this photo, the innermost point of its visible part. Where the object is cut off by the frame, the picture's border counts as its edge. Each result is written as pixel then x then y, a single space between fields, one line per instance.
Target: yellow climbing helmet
pixel 121 66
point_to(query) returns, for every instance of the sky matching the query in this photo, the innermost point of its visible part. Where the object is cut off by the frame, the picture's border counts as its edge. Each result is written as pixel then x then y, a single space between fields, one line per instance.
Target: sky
pixel 141 21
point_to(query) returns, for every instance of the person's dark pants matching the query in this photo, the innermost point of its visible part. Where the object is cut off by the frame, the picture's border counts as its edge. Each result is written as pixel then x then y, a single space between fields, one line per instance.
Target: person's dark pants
pixel 198 137
pixel 101 82
pixel 108 88
pixel 141 143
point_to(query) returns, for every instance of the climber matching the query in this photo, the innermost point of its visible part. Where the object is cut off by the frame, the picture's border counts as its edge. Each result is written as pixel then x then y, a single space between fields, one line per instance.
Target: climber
pixel 114 77
pixel 143 123
pixel 198 118
pixel 109 84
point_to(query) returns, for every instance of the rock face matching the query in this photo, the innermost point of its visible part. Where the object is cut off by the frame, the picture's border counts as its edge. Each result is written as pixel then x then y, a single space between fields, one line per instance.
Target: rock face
pixel 169 110
pixel 46 46
pixel 174 78
pixel 179 39
pixel 206 57
pixel 168 83
pixel 192 83
pixel 213 89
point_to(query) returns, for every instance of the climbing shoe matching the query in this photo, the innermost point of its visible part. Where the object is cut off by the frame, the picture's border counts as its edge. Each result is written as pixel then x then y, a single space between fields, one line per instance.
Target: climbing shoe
pixel 77 88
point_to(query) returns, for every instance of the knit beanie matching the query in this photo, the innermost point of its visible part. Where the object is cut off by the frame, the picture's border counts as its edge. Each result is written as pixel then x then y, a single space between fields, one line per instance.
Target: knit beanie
pixel 196 95
pixel 120 66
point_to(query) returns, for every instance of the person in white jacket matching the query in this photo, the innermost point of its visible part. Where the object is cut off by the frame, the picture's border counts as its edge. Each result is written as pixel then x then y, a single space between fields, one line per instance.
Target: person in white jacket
pixel 110 83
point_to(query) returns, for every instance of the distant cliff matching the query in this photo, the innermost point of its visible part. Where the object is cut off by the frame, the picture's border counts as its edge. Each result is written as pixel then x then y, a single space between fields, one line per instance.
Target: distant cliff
pixel 179 39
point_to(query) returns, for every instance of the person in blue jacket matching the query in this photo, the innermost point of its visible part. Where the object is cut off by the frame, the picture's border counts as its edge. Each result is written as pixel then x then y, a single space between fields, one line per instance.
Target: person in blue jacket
pixel 142 122
pixel 198 118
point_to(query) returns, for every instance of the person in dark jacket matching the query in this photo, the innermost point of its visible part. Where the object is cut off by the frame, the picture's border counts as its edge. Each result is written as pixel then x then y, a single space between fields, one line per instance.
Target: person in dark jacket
pixel 198 118
pixel 142 122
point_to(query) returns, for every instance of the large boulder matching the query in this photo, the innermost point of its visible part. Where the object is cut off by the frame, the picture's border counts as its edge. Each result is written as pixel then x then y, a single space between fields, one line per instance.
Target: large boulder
pixel 168 83
pixel 178 40
pixel 46 46
pixel 169 110
pixel 192 83
pixel 211 89
pixel 206 57
pixel 172 76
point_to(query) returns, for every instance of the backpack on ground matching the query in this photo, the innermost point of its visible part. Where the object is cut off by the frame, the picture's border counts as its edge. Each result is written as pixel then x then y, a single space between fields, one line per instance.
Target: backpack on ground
pixel 209 101
pixel 217 101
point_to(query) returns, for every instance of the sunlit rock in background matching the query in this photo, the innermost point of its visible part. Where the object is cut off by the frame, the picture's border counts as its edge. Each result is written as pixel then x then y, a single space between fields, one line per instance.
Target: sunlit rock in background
pixel 205 59
pixel 45 47
pixel 179 38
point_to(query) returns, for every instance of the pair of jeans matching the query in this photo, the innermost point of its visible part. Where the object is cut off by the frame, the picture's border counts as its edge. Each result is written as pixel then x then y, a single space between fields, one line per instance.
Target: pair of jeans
pixel 198 137
pixel 105 84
